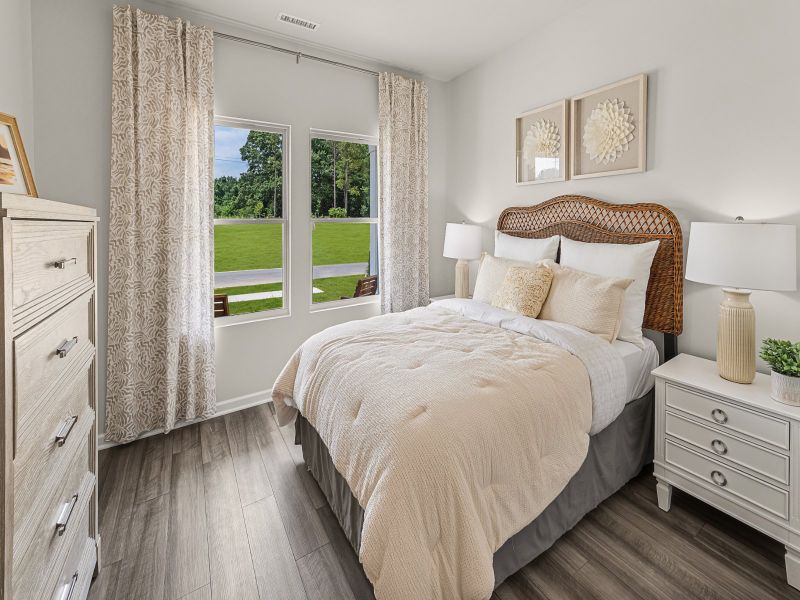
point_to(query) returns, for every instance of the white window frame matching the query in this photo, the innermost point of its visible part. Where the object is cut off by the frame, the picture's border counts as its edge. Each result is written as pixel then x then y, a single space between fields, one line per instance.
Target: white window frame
pixel 286 132
pixel 339 136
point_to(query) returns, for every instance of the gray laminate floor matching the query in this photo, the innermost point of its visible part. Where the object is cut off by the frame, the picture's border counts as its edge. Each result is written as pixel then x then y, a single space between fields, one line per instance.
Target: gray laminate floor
pixel 226 509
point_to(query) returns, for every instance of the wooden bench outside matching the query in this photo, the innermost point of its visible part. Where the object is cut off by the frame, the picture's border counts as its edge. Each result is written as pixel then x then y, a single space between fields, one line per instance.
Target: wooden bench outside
pixel 221 305
pixel 366 286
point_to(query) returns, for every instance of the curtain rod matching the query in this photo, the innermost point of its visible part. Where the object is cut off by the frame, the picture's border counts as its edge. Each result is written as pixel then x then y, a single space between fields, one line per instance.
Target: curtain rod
pixel 298 55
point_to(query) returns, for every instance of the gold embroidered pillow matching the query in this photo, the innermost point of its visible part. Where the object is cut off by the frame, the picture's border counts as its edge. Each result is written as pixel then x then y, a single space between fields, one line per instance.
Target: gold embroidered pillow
pixel 524 290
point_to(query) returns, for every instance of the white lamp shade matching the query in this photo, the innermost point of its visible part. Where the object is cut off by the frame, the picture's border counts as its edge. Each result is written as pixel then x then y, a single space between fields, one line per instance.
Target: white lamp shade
pixel 462 241
pixel 753 256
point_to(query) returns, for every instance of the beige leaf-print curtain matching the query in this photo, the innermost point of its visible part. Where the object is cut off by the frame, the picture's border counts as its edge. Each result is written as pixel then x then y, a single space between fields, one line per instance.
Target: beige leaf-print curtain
pixel 403 207
pixel 160 319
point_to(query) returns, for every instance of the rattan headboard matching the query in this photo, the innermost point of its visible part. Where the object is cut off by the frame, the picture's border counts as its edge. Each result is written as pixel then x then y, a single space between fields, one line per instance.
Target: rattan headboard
pixel 589 220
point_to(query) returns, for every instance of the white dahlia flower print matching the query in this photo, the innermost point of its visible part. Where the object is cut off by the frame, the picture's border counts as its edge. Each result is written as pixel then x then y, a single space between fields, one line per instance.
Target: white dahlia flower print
pixel 542 140
pixel 608 131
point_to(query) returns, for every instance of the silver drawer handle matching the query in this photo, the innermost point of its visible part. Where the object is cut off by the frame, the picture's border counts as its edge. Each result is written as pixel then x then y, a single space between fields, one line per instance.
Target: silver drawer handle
pixel 66 513
pixel 62 264
pixel 719 447
pixel 69 589
pixel 719 416
pixel 719 478
pixel 66 429
pixel 66 346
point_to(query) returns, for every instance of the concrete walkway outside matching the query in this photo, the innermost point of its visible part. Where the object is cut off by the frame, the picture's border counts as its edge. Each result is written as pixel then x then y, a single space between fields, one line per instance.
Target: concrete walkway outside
pixel 263 295
pixel 227 279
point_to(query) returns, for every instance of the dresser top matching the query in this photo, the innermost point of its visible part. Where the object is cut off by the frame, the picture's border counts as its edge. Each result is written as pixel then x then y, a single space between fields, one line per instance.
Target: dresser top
pixel 28 207
pixel 702 374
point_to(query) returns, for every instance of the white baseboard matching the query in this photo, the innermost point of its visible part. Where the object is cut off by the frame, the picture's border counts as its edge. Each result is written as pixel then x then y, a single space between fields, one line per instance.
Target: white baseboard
pixel 223 408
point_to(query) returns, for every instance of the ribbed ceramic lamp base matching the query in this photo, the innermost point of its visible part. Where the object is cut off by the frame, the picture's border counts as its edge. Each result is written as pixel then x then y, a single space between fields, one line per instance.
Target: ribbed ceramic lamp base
pixel 736 337
pixel 462 279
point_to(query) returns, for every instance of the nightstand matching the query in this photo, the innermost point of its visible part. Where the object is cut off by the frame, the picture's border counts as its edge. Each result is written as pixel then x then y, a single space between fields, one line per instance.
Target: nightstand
pixel 731 446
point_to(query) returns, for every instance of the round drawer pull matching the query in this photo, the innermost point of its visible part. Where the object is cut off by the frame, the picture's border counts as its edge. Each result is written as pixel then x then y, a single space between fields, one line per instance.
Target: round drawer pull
pixel 719 416
pixel 719 478
pixel 719 447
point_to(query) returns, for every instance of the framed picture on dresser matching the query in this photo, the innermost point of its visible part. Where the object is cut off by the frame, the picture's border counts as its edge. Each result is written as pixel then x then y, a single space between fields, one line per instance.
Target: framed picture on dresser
pixel 15 172
pixel 609 129
pixel 541 144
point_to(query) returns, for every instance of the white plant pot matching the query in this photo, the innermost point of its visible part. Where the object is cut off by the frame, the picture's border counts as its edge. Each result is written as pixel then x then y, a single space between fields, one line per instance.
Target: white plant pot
pixel 785 389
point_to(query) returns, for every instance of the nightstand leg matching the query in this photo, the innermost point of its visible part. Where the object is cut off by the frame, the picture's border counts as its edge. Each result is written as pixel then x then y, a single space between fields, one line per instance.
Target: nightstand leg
pixel 664 491
pixel 793 567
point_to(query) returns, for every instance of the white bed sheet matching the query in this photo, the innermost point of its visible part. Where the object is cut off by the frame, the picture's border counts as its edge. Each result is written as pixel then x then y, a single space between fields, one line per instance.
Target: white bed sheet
pixel 639 364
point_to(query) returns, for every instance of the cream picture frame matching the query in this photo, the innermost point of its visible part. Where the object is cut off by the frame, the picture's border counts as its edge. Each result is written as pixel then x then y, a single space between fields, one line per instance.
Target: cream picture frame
pixel 624 103
pixel 537 132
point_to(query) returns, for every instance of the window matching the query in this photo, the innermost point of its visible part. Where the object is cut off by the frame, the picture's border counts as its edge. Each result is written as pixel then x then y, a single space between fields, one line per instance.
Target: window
pixel 250 216
pixel 344 210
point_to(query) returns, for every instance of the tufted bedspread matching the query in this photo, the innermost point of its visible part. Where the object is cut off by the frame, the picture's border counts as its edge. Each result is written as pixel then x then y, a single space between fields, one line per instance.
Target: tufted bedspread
pixel 453 434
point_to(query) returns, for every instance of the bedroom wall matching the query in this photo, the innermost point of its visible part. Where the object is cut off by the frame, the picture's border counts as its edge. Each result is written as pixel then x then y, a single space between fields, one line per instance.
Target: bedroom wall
pixel 722 124
pixel 16 84
pixel 72 60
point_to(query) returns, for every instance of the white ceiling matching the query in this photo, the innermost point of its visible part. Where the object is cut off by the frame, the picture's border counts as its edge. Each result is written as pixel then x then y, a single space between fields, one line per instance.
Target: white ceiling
pixel 437 38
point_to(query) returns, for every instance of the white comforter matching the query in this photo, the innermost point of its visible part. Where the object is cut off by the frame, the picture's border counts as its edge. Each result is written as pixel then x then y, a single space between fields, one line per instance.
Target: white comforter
pixel 605 366
pixel 452 433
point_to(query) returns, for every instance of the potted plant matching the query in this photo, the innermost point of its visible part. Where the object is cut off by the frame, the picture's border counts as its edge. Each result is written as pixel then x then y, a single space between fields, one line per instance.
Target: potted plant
pixel 783 357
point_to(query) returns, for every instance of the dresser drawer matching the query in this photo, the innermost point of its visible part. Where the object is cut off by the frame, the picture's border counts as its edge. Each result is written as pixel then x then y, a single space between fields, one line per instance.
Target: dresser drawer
pixel 46 439
pixel 49 259
pixel 725 416
pixel 44 533
pixel 75 577
pixel 728 480
pixel 47 354
pixel 761 460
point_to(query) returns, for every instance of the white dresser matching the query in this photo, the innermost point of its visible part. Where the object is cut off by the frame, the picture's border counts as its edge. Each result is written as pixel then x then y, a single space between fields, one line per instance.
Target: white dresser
pixel 49 530
pixel 731 446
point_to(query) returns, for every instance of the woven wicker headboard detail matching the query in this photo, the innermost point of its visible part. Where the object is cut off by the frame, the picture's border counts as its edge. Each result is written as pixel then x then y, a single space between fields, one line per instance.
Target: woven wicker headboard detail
pixel 589 220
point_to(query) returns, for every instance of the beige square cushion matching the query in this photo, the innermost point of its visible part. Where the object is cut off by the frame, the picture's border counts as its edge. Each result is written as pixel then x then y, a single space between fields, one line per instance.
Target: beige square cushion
pixel 631 261
pixel 524 290
pixel 491 273
pixel 592 302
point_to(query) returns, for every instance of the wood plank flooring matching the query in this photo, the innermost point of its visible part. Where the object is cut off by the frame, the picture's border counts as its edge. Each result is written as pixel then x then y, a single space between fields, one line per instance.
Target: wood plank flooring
pixel 225 509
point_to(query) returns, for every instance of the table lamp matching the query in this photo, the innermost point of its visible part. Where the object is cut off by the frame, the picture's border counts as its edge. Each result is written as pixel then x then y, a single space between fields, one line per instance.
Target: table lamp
pixel 463 242
pixel 741 257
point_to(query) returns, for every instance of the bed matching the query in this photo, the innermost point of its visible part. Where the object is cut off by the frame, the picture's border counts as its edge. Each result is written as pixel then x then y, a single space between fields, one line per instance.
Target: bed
pixel 608 458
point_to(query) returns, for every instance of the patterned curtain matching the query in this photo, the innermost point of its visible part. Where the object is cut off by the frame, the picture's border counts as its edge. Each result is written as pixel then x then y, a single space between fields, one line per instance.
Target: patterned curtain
pixel 160 316
pixel 403 206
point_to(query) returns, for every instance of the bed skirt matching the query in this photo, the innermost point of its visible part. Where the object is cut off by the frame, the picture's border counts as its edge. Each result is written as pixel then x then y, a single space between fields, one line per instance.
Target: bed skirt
pixel 616 455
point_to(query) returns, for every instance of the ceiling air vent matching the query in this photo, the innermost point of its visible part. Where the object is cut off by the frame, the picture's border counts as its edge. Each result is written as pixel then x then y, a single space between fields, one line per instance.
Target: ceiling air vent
pixel 310 25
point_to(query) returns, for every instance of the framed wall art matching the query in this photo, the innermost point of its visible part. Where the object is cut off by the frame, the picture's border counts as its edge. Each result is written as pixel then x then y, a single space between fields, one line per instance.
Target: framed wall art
pixel 609 130
pixel 541 144
pixel 15 172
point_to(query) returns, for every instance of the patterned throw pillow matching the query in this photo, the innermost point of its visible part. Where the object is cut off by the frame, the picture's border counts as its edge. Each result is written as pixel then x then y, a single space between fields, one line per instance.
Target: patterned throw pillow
pixel 524 290
pixel 491 273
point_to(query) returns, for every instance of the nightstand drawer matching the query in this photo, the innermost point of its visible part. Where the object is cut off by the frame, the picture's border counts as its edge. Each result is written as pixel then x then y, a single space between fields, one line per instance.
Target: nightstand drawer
pixel 729 481
pixel 761 460
pixel 725 416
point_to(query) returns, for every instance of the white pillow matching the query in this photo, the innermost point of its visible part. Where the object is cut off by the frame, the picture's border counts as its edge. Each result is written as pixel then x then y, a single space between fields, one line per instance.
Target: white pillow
pixel 631 261
pixel 526 249
pixel 491 273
